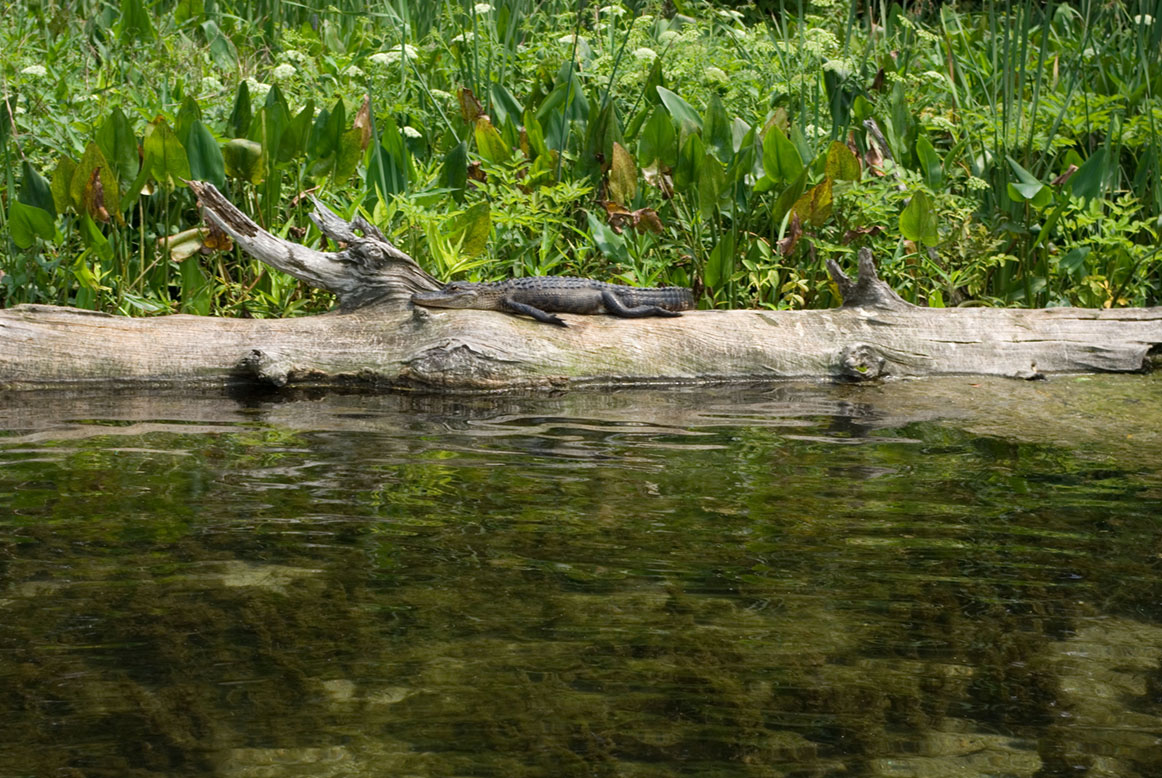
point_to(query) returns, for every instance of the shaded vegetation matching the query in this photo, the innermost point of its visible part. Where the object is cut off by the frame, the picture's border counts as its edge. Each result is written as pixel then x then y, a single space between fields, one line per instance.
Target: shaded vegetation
pixel 999 153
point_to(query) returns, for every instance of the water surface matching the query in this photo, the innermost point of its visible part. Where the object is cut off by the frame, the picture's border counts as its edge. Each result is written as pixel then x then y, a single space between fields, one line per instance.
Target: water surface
pixel 941 578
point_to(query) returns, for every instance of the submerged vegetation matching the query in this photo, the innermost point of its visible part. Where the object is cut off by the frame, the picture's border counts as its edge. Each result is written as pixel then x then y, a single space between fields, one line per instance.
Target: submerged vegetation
pixel 997 154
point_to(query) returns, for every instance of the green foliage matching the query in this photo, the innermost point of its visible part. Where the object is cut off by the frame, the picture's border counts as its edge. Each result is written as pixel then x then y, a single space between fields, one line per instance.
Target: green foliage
pixel 983 154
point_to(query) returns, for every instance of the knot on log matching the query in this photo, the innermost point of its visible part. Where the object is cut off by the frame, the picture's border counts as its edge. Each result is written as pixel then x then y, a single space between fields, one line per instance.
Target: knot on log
pixel 461 366
pixel 867 290
pixel 861 362
pixel 267 368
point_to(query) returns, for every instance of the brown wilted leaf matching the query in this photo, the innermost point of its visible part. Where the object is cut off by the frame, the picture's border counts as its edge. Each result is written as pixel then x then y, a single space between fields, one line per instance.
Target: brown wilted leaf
pixel 216 240
pixel 470 107
pixel 642 220
pixel 302 196
pixel 363 122
pixel 794 232
pixel 476 171
pixel 1068 174
pixel 859 232
pixel 95 197
pixel 878 81
pixel 647 220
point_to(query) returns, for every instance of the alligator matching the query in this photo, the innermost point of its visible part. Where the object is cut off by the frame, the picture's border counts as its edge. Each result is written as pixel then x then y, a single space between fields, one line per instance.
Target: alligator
pixel 541 296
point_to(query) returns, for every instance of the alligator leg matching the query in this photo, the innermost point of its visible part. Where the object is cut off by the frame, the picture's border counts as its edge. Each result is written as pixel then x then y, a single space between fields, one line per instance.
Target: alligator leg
pixel 512 306
pixel 615 306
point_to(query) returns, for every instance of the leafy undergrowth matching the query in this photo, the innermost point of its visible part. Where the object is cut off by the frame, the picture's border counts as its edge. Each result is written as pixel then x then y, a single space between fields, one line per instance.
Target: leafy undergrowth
pixel 999 156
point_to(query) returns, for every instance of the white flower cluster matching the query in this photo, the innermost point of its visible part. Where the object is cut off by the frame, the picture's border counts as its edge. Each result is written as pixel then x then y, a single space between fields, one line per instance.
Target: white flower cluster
pixel 257 88
pixel 40 71
pixel 394 54
pixel 283 72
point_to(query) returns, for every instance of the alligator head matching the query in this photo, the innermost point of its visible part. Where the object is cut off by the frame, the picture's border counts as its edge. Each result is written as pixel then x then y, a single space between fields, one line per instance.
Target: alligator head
pixel 458 294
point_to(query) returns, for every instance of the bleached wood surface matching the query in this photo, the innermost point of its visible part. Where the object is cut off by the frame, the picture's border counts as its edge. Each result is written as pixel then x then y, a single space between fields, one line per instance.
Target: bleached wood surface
pixel 377 339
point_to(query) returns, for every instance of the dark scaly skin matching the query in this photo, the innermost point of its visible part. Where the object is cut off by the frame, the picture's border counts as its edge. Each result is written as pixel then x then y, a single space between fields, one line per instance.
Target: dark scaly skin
pixel 541 296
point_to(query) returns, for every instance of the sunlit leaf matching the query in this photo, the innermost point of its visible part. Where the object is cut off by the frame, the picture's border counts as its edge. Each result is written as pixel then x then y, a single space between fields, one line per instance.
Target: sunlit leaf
pixel 683 113
pixel 622 175
pixel 918 220
pixel 471 229
pixel 814 206
pixel 489 143
pixel 165 158
pixel 243 160
pixel 93 188
pixel 62 177
pixel 841 163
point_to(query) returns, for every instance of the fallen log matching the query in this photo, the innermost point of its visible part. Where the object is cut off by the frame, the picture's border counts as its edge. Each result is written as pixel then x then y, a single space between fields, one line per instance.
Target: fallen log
pixel 376 338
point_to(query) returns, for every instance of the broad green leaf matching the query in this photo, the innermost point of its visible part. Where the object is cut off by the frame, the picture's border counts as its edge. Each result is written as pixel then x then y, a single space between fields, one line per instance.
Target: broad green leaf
pixel 62 179
pixel 222 49
pixel 1027 188
pixel 788 197
pixel 471 229
pixel 489 143
pixel 243 160
pixel 26 223
pixel 781 160
pixel 535 135
pixel 607 241
pixel 327 131
pixel 240 117
pixel 505 107
pixel 689 166
pixel 931 167
pixel 918 220
pixel 197 292
pixel 683 113
pixel 119 145
pixel 1088 181
pixel 136 22
pixel 389 165
pixel 35 189
pixel 94 241
pixel 165 157
pixel 657 140
pixel 189 113
pixel 454 171
pixel 622 176
pixel 814 207
pixel 1073 263
pixel 293 142
pixel 205 156
pixel 711 185
pixel 720 263
pixel 841 163
pixel 716 130
pixel 276 120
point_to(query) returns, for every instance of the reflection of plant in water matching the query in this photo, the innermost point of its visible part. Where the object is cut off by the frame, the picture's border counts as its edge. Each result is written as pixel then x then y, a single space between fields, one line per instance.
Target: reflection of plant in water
pixel 804 599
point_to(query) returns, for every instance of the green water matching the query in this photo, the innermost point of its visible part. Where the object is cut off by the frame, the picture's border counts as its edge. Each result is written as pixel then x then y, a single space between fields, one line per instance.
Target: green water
pixel 952 578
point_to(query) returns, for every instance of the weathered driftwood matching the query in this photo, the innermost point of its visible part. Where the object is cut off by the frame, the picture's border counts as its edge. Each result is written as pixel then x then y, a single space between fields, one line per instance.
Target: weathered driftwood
pixel 377 338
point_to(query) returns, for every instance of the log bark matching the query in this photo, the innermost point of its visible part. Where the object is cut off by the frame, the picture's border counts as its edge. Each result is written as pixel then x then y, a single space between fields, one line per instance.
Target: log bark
pixel 377 339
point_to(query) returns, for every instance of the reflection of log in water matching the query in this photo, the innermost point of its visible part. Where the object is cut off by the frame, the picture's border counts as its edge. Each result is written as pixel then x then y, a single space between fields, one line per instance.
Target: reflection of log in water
pixel 378 339
pixel 403 585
